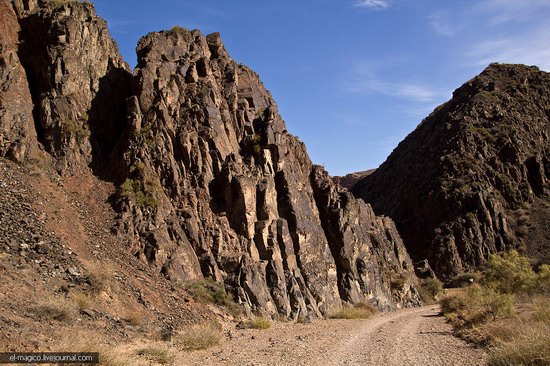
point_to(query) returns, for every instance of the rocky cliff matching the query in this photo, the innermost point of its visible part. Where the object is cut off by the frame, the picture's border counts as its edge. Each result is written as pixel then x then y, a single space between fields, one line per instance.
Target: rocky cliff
pixel 218 187
pixel 78 80
pixel 473 178
pixel 211 184
pixel 349 180
pixel 17 131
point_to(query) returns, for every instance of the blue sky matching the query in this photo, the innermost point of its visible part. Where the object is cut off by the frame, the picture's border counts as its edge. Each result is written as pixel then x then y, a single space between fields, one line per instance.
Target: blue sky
pixel 352 77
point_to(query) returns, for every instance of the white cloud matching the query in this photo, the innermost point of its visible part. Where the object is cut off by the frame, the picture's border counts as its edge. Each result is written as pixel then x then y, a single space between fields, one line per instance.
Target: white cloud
pixel 365 79
pixel 531 48
pixel 443 26
pixel 373 4
pixel 504 11
pixel 412 91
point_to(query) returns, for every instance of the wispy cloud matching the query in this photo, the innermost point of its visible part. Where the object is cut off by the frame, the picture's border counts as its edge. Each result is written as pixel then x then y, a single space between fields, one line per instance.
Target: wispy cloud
pixel 531 49
pixel 503 11
pixel 373 4
pixel 366 79
pixel 442 25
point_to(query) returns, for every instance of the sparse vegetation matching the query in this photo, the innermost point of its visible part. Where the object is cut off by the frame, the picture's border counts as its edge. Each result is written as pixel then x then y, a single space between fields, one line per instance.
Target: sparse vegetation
pixel 357 311
pixel 99 276
pixel 208 291
pixel 71 128
pixel 59 309
pixel 175 30
pixel 158 354
pixel 199 336
pixel 140 192
pixel 54 4
pixel 497 313
pixel 258 323
pixel 429 289
pixel 134 317
pixel 82 300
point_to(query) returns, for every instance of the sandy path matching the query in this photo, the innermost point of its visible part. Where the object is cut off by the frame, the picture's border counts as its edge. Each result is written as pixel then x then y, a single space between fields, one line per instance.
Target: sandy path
pixel 408 337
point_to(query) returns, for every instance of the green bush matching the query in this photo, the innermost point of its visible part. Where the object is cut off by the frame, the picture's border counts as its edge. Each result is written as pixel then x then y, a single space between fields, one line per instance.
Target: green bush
pixel 141 193
pixel 509 273
pixel 208 291
pixel 542 283
pixel 429 289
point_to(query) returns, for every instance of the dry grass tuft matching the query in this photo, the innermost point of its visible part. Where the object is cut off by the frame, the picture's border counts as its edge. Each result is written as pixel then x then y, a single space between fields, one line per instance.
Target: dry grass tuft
pixel 134 317
pixel 199 336
pixel 55 309
pixel 258 323
pixel 100 276
pixel 108 356
pixel 158 354
pixel 357 311
pixel 82 300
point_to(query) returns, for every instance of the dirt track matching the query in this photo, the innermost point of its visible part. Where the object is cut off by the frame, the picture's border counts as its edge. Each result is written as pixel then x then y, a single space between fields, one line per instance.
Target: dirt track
pixel 408 337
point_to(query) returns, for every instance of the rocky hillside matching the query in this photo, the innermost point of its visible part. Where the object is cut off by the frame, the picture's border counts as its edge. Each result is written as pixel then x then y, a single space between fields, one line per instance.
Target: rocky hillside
pixel 209 181
pixel 473 178
pixel 349 180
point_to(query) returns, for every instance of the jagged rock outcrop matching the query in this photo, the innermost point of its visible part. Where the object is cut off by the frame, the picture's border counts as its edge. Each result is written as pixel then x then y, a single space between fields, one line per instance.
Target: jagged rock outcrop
pixel 473 178
pixel 367 249
pixel 349 180
pixel 17 131
pixel 78 81
pixel 218 187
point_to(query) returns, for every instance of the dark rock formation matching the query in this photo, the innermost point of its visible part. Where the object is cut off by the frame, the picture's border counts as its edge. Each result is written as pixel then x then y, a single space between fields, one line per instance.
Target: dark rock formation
pixel 17 132
pixel 473 178
pixel 349 180
pixel 78 81
pixel 217 187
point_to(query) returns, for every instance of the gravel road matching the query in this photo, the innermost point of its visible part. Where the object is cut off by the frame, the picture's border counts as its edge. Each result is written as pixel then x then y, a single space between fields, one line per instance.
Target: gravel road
pixel 416 336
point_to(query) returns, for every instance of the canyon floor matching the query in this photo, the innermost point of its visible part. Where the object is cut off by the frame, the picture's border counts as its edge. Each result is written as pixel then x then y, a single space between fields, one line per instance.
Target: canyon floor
pixel 418 336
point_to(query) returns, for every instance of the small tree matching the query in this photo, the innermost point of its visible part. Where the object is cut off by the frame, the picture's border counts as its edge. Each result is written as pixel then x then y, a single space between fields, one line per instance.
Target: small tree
pixel 510 273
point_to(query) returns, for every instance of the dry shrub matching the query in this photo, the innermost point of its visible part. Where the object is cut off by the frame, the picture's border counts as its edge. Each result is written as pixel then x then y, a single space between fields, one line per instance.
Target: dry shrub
pixel 357 311
pixel 55 309
pixel 199 336
pixel 108 356
pixel 82 300
pixel 521 343
pixel 257 323
pixel 99 276
pixel 157 353
pixel 134 317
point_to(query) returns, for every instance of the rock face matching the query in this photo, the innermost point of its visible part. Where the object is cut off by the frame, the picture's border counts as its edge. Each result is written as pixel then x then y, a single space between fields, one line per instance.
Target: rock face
pixel 17 132
pixel 78 80
pixel 217 187
pixel 473 178
pixel 349 180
